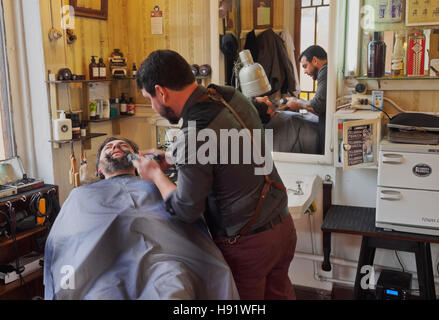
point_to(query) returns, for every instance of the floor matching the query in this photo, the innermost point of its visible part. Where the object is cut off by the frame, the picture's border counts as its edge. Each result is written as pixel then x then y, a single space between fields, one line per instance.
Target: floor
pixel 338 293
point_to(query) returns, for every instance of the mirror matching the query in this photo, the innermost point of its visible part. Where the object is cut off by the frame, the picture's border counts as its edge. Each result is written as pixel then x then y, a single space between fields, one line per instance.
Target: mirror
pixel 395 21
pixel 306 23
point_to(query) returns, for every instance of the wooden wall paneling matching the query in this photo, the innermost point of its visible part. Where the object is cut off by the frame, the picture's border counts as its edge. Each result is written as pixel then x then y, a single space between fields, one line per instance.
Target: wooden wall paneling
pixel 180 32
pixel 201 27
pixel 422 101
pixel 186 30
pixel 168 23
pixel 53 51
pixel 191 32
pixel 278 16
pixel 247 15
pixel 143 50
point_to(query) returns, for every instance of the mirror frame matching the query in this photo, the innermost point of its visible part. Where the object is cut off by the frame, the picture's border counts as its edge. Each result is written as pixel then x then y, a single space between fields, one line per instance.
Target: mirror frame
pixel 336 34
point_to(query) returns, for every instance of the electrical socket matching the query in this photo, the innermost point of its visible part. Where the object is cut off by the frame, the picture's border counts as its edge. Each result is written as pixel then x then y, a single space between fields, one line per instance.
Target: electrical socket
pixel 361 101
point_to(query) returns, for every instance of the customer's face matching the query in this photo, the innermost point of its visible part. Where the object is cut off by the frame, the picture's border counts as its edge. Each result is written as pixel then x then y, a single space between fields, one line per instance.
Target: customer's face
pixel 267 101
pixel 310 68
pixel 114 157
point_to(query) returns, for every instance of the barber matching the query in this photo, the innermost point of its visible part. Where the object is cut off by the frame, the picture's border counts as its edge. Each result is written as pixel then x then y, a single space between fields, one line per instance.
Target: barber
pixel 246 213
pixel 314 61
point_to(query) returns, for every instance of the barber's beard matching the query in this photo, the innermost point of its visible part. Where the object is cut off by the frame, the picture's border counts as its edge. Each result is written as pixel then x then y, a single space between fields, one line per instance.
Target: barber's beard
pixel 113 165
pixel 315 74
pixel 169 114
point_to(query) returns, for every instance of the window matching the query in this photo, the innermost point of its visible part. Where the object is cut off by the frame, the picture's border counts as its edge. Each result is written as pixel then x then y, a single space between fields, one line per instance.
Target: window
pixel 7 145
pixel 312 26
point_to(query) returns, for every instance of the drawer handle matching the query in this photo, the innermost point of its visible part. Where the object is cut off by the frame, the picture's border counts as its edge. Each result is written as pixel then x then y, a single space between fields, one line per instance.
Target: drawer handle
pixel 392 158
pixel 391 195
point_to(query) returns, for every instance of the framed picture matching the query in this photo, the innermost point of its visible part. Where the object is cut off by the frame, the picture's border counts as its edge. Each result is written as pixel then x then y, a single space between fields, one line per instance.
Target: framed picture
pixel 422 13
pixel 100 13
pixel 263 14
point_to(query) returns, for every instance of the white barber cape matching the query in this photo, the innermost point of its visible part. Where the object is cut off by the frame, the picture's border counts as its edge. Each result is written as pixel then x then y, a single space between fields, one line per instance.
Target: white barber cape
pixel 114 240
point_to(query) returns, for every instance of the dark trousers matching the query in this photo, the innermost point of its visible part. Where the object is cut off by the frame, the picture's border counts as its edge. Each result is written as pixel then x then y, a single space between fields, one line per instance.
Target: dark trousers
pixel 260 262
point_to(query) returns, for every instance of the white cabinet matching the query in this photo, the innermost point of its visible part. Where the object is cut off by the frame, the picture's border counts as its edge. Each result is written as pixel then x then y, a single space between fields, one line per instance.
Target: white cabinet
pixel 408 170
pixel 408 189
pixel 358 136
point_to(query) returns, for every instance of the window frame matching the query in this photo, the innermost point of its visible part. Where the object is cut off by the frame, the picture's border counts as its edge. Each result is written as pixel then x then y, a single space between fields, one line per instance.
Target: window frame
pixel 7 134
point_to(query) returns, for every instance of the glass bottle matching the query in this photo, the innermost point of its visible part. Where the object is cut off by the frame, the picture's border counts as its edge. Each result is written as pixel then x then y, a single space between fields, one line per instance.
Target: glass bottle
pixel 376 56
pixel 134 70
pixel 93 69
pixel 123 105
pixel 92 110
pixel 131 107
pixel 398 55
pixel 102 69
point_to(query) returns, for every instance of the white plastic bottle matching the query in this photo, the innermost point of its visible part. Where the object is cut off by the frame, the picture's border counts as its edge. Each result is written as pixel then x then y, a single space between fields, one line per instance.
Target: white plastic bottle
pixel 62 128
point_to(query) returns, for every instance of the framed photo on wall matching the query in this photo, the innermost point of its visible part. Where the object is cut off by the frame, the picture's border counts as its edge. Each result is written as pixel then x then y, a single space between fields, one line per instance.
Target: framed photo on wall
pixel 422 13
pixel 263 14
pixel 94 13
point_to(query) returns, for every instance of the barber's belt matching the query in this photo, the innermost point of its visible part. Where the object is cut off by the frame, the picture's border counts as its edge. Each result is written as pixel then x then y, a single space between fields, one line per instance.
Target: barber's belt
pixel 269 225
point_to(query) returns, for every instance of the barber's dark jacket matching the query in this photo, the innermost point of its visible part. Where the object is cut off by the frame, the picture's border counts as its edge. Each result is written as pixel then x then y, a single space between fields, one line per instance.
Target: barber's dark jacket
pixel 318 103
pixel 226 193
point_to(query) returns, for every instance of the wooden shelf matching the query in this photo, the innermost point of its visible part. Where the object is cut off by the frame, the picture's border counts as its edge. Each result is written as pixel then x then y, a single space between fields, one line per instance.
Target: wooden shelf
pixel 88 137
pixel 4 289
pixel 5 242
pixel 13 198
pixel 111 119
pixel 88 81
pixel 27 242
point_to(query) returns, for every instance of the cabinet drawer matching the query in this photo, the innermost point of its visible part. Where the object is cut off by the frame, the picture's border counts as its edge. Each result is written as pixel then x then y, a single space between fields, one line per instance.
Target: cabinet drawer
pixel 408 170
pixel 408 207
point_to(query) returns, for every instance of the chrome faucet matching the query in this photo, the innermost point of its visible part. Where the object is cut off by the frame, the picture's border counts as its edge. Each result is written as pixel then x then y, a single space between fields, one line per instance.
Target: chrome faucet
pixel 299 191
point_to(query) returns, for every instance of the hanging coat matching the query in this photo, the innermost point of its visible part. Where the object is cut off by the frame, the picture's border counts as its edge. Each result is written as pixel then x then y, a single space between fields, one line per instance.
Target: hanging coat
pixel 272 54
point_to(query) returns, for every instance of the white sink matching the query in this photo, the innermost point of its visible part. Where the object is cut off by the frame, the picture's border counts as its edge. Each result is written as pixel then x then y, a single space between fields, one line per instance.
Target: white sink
pixel 298 204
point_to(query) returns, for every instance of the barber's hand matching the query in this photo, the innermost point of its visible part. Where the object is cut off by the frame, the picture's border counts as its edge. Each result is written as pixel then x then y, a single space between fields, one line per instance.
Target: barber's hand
pixel 165 162
pixel 148 169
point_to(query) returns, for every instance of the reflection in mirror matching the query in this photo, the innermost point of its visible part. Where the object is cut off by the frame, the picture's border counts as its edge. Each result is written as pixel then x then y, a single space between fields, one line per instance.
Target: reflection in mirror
pixel 388 22
pixel 299 125
pixel 299 129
